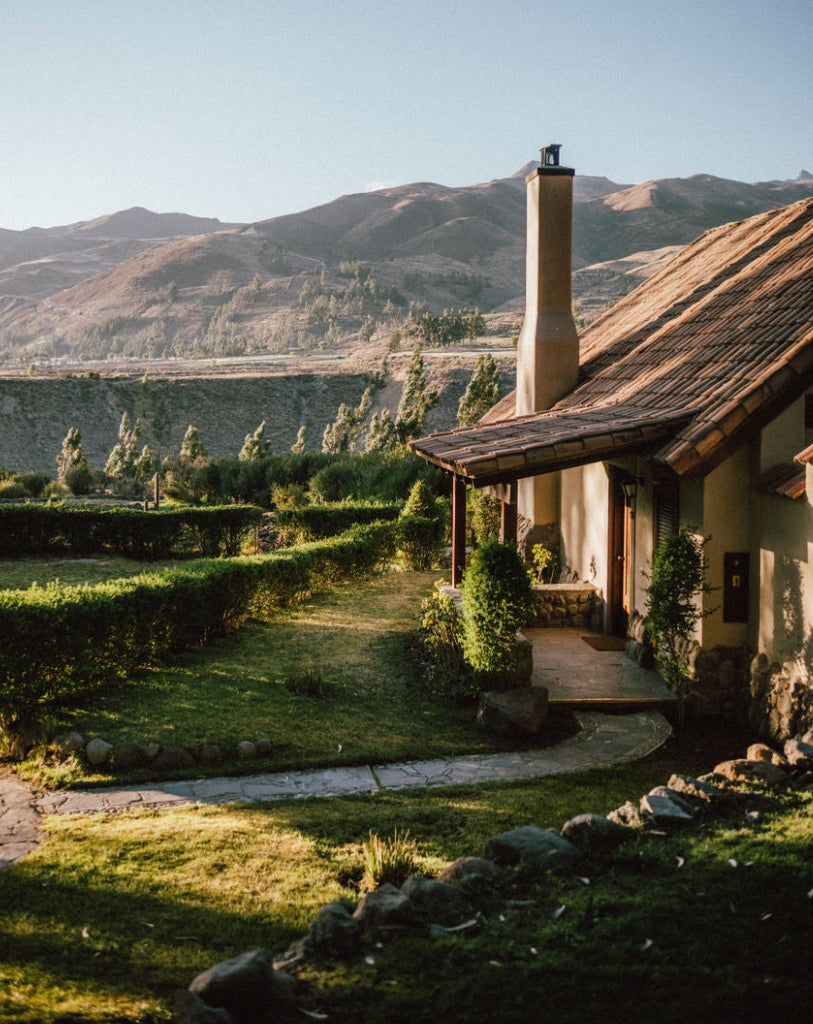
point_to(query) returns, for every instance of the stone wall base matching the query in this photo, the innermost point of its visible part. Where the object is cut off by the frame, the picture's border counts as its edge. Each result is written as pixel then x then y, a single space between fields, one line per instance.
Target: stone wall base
pixel 781 698
pixel 567 604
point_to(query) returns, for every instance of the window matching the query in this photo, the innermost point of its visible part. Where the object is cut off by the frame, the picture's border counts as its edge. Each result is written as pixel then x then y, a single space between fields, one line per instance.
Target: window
pixel 666 518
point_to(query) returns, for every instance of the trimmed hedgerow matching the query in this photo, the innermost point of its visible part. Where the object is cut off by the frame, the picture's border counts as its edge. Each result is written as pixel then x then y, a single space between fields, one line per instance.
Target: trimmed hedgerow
pixel 315 522
pixel 59 642
pixel 45 529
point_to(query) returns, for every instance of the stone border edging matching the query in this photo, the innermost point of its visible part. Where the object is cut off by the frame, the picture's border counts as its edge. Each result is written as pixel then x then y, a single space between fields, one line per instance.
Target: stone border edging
pixel 603 740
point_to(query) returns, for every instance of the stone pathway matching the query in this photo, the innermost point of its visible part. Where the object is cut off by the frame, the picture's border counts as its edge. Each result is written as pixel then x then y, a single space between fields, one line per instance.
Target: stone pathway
pixel 602 741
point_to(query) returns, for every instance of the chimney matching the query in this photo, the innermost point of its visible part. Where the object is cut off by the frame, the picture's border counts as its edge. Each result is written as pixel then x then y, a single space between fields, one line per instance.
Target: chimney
pixel 548 347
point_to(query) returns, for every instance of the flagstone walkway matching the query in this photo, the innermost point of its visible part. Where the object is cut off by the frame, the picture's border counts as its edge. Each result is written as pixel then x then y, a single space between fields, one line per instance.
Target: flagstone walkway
pixel 602 741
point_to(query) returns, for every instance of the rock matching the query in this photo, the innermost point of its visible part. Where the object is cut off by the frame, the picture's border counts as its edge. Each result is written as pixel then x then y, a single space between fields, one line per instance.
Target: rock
pixel 264 747
pixel 437 902
pixel 67 745
pixel 799 753
pixel 519 712
pixel 385 906
pixel 152 750
pixel 592 833
pixel 335 933
pixel 210 753
pixel 628 814
pixel 471 870
pixel 173 757
pixel 246 985
pixel 98 752
pixel 742 770
pixel 674 796
pixel 127 756
pixel 543 848
pixel 663 810
pixel 762 752
pixel 191 1009
pixel 246 750
pixel 700 790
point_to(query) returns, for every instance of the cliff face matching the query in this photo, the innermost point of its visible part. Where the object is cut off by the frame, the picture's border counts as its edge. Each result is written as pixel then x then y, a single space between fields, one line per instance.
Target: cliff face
pixel 35 414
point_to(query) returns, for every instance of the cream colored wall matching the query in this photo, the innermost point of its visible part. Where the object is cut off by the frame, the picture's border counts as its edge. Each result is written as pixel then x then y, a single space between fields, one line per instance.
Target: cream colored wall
pixel 585 522
pixel 784 539
pixel 727 519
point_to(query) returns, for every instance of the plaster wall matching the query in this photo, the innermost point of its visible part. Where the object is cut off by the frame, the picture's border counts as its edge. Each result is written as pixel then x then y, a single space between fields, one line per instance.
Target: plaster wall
pixel 727 516
pixel 585 523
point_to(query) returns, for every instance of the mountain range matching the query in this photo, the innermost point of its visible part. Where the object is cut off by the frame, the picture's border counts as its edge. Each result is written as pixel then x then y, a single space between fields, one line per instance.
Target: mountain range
pixel 144 285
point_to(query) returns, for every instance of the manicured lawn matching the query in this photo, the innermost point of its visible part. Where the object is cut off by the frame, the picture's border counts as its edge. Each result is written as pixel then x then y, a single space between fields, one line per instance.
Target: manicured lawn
pixel 357 642
pixel 112 914
pixel 20 573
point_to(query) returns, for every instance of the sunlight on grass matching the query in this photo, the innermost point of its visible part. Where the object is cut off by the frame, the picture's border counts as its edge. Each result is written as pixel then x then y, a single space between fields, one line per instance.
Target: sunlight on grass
pixel 112 913
pixel 358 640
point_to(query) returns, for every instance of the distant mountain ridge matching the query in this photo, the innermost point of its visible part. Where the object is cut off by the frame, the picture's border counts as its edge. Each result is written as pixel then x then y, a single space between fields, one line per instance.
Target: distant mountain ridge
pixel 336 275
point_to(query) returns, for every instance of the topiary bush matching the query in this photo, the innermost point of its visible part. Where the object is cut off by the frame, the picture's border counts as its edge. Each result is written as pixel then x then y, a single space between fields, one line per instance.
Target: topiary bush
pixel 422 528
pixel 497 602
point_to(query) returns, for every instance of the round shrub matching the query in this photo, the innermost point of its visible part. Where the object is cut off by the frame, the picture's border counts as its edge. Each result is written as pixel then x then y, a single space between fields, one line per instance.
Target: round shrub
pixel 497 601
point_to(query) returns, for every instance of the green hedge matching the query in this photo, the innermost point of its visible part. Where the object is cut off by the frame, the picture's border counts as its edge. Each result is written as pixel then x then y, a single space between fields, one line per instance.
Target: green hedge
pixel 59 642
pixel 316 522
pixel 80 530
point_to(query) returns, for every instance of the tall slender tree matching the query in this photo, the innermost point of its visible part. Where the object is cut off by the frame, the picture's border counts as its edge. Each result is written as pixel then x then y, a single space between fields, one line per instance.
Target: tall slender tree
pixel 417 399
pixel 482 392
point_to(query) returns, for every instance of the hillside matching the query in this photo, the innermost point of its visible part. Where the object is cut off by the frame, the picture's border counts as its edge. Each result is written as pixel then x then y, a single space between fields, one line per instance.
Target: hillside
pixel 224 404
pixel 338 277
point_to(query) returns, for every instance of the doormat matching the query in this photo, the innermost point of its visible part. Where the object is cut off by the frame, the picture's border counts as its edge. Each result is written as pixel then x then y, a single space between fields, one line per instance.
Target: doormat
pixel 605 643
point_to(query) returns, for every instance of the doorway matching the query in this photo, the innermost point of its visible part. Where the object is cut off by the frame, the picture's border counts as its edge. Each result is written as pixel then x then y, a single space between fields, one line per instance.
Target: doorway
pixel 619 597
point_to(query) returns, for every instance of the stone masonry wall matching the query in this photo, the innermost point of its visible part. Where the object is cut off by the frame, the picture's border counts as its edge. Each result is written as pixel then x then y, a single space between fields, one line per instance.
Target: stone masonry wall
pixel 567 604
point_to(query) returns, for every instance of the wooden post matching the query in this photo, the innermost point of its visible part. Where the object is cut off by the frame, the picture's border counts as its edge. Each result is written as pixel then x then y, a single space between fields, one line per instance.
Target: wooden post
pixel 458 530
pixel 508 522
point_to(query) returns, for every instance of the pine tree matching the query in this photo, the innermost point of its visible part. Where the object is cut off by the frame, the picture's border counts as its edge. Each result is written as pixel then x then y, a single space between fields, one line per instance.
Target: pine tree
pixel 255 446
pixel 299 447
pixel 72 455
pixel 382 436
pixel 342 435
pixel 192 446
pixel 417 399
pixel 482 393
pixel 122 460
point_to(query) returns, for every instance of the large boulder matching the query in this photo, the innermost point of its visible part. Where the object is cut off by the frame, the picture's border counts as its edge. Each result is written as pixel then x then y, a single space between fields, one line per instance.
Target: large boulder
pixel 517 712
pixel 334 934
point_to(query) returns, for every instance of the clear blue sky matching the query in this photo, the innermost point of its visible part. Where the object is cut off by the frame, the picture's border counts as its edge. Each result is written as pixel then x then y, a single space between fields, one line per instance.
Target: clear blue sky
pixel 247 109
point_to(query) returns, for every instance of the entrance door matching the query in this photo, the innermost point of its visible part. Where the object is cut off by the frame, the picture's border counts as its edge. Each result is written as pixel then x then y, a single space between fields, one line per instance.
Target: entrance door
pixel 619 598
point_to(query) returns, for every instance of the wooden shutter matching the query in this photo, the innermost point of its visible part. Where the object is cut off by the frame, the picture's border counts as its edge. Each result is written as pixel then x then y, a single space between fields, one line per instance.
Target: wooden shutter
pixel 666 518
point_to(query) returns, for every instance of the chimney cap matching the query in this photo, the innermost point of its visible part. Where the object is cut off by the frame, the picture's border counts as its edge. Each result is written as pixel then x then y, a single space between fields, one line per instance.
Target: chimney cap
pixel 550 154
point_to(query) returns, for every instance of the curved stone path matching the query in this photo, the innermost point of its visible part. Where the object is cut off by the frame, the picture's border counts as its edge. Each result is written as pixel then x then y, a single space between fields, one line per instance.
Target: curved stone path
pixel 603 740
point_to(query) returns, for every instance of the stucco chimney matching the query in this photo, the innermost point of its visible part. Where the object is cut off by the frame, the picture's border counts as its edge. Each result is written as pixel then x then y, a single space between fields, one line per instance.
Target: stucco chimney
pixel 548 347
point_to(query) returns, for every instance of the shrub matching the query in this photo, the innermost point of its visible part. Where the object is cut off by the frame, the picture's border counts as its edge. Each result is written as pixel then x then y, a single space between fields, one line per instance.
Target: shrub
pixel 315 522
pixel 497 601
pixel 79 480
pixel 421 528
pixel 60 642
pixel 34 483
pixel 677 578
pixel 483 515
pixel 444 667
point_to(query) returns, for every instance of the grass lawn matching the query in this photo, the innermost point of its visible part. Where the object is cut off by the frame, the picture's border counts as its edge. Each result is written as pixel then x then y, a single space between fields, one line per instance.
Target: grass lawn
pixel 354 647
pixel 111 914
pixel 20 573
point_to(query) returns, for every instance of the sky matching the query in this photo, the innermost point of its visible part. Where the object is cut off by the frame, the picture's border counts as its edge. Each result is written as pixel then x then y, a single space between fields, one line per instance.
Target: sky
pixel 249 109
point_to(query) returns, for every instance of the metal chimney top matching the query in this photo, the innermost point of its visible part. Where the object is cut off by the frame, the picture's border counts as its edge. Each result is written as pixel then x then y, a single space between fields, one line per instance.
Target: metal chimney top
pixel 550 154
pixel 550 163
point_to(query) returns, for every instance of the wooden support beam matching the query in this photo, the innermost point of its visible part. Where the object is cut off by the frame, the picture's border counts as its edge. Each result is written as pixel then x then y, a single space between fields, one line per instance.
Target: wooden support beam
pixel 508 522
pixel 458 530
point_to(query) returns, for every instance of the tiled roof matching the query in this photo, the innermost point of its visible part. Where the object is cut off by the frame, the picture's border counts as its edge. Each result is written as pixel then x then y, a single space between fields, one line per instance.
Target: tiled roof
pixel 786 480
pixel 806 456
pixel 714 345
